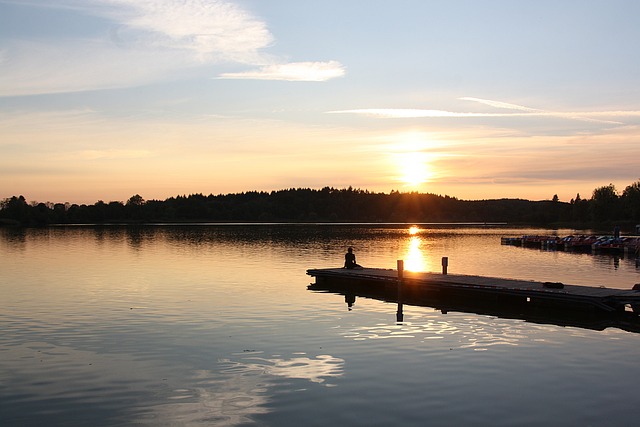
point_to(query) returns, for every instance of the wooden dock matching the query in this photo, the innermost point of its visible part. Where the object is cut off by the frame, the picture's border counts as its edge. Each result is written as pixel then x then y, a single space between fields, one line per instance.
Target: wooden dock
pixel 509 292
pixel 382 285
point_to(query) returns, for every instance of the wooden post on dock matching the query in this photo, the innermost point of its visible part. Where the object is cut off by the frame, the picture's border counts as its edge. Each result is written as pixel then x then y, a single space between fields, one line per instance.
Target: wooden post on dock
pixel 399 314
pixel 445 264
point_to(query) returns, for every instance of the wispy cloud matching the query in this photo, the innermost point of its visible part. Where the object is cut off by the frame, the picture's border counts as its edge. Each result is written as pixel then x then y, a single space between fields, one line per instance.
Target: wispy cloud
pixel 294 71
pixel 591 116
pixel 395 113
pixel 500 104
pixel 149 41
pixel 212 29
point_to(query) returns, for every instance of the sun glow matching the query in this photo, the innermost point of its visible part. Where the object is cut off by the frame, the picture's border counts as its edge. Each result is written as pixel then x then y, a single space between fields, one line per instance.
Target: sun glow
pixel 413 161
pixel 415 169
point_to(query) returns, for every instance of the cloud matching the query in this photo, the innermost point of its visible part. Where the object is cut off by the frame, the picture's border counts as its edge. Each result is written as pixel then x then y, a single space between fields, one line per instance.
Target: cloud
pixel 294 71
pixel 410 113
pixel 499 104
pixel 590 116
pixel 212 29
pixel 36 67
pixel 581 115
pixel 148 41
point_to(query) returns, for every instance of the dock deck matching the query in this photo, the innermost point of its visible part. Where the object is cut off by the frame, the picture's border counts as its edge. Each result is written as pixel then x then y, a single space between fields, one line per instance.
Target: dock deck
pixel 509 291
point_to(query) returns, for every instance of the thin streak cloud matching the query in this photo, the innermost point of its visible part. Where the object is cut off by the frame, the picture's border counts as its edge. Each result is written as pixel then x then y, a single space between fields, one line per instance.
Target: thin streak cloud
pixel 395 113
pixel 499 104
pixel 590 116
pixel 583 115
pixel 295 71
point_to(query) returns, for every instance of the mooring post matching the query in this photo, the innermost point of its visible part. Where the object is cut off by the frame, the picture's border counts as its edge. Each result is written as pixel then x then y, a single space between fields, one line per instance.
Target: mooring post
pixel 399 314
pixel 445 264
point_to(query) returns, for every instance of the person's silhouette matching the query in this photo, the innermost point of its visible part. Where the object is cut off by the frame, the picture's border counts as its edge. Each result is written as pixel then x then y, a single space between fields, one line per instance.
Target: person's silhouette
pixel 350 259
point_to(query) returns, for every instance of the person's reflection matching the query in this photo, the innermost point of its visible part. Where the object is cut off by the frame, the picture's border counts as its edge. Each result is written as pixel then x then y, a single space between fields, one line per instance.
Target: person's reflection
pixel 350 299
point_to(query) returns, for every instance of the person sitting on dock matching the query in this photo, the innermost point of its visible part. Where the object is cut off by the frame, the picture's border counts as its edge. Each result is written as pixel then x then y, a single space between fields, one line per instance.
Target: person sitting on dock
pixel 350 260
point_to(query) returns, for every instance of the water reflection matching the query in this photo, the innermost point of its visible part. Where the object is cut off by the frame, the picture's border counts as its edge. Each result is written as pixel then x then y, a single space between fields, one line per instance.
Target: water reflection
pixel 144 325
pixel 315 370
pixel 212 400
pixel 239 391
pixel 14 238
pixel 414 259
pixel 499 308
pixel 479 337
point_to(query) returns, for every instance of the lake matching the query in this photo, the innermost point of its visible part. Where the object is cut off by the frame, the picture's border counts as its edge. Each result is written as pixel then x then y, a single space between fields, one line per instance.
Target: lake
pixel 213 325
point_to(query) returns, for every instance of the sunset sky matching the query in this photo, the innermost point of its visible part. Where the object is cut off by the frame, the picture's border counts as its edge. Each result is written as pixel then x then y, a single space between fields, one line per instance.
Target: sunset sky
pixel 104 99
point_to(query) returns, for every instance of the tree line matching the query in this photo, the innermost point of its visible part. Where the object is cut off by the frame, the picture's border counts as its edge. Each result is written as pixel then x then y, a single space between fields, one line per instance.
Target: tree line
pixel 605 207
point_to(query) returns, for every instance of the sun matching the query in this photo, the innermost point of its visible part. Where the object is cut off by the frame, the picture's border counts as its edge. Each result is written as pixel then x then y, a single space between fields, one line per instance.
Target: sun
pixel 413 157
pixel 414 171
pixel 414 168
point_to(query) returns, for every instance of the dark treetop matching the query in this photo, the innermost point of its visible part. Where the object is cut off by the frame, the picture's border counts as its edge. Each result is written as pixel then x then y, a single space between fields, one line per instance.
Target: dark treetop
pixel 605 207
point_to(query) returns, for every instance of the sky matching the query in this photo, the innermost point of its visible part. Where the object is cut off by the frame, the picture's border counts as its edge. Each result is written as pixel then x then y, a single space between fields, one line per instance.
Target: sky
pixel 105 99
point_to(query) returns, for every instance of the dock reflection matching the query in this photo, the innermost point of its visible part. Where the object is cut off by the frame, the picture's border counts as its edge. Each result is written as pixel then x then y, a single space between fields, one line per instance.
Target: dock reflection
pixel 593 320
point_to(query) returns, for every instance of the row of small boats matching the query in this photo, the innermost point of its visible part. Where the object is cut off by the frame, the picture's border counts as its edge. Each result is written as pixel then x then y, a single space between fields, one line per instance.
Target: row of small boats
pixel 581 243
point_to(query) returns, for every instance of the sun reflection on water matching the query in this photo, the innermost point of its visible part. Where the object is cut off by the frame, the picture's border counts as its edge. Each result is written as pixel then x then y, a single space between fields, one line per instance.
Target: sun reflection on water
pixel 414 259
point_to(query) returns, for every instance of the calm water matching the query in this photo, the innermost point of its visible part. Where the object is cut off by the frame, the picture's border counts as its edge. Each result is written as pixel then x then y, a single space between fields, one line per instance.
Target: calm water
pixel 214 326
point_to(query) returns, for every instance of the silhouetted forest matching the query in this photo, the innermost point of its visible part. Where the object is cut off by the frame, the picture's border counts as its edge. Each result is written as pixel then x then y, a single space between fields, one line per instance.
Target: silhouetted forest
pixel 606 206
